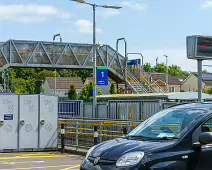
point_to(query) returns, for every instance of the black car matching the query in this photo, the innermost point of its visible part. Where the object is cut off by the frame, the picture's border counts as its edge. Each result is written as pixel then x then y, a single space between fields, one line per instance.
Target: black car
pixel 177 138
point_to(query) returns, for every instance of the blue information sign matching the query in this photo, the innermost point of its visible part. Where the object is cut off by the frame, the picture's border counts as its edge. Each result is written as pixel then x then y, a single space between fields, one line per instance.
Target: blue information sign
pixel 8 116
pixel 134 62
pixel 102 77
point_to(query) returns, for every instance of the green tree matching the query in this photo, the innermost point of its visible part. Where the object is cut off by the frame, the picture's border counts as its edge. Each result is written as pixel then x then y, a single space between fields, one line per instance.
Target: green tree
pixel 67 73
pixel 119 90
pixel 113 89
pixel 208 90
pixel 25 73
pixel 72 93
pixel 161 68
pixel 87 91
pixel 205 72
pixel 21 86
pixel 83 74
pixel 148 68
pixel 45 73
pixel 175 70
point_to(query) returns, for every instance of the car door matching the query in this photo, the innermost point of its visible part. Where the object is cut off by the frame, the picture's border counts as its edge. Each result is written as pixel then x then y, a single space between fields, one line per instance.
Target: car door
pixel 203 158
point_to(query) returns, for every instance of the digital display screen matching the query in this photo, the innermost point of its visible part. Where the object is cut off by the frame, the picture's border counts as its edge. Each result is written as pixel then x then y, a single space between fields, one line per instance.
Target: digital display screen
pixel 204 46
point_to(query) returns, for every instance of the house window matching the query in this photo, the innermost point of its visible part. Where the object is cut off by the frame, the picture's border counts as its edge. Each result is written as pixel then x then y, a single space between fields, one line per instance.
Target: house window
pixel 171 89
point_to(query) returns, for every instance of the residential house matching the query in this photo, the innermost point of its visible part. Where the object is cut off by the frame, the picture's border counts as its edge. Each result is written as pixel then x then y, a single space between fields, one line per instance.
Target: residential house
pixel 190 84
pixel 62 85
pixel 174 82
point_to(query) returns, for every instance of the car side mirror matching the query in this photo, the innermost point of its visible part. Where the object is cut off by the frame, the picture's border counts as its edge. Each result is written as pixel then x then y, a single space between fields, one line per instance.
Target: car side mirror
pixel 205 138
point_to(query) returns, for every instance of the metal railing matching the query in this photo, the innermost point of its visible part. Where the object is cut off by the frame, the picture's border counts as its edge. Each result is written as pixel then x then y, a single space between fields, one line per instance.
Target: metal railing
pixel 85 133
pixel 154 86
pixel 135 84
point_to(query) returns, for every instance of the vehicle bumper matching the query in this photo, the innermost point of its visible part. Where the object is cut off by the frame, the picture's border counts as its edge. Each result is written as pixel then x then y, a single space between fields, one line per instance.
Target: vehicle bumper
pixel 87 165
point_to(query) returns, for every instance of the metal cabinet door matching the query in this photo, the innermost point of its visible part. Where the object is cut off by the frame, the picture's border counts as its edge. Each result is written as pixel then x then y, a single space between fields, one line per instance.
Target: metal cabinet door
pixel 48 121
pixel 8 122
pixel 28 123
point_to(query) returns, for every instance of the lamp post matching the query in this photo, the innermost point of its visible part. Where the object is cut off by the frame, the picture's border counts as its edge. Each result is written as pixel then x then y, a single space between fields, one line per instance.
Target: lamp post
pixel 57 35
pixel 94 45
pixel 117 49
pixel 167 74
pixel 156 62
pixel 55 81
pixel 142 61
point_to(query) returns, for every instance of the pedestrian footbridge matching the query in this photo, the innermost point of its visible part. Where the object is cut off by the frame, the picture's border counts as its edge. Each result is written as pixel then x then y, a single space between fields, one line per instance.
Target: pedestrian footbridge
pixel 21 53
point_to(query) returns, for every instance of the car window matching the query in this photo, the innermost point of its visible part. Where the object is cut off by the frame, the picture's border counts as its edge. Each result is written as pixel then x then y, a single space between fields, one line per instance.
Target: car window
pixel 171 123
pixel 205 127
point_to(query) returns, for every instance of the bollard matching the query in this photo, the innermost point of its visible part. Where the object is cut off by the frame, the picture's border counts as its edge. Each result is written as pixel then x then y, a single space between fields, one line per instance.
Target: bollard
pixel 95 135
pixel 124 130
pixel 62 138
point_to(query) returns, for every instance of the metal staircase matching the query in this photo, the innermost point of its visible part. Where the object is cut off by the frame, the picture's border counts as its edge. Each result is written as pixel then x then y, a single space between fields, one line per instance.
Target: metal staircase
pixel 151 85
pixel 142 81
pixel 135 85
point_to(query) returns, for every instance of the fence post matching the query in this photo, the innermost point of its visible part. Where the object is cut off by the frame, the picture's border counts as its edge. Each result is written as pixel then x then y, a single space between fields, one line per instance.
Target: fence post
pixel 77 135
pixel 62 138
pixel 95 135
pixel 124 130
pixel 100 138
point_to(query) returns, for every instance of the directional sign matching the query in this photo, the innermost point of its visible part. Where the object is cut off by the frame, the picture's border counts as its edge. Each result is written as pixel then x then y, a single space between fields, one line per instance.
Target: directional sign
pixel 199 47
pixel 102 76
pixel 134 62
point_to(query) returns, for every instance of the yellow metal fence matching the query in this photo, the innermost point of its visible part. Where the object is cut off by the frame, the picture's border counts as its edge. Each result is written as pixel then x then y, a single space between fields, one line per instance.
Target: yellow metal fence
pixel 79 133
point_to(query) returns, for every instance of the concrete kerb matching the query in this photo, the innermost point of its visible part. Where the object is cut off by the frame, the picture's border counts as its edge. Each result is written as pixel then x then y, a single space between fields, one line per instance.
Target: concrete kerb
pixel 72 150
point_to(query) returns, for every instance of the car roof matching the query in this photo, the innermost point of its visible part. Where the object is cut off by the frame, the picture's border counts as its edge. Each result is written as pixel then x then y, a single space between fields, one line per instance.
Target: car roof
pixel 202 105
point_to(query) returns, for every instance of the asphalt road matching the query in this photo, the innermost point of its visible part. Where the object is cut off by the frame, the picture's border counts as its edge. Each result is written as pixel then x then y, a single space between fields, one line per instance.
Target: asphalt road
pixel 37 160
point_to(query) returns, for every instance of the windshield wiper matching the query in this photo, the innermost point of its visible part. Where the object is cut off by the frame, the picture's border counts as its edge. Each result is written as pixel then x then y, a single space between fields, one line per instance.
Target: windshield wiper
pixel 167 138
pixel 134 136
pixel 139 137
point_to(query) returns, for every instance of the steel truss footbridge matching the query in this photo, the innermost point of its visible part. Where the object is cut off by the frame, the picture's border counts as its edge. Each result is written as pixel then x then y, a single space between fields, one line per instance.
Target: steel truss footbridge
pixel 21 53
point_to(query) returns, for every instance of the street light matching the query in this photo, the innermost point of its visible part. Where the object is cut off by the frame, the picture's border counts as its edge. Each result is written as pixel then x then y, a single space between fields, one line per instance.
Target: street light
pixel 167 74
pixel 57 35
pixel 142 60
pixel 117 49
pixel 55 80
pixel 94 45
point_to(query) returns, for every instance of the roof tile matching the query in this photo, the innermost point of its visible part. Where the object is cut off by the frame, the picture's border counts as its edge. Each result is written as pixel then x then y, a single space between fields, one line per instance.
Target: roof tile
pixel 64 82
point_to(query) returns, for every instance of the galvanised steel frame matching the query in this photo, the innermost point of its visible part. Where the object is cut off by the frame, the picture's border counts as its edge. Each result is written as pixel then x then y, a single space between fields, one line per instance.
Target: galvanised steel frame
pixel 20 53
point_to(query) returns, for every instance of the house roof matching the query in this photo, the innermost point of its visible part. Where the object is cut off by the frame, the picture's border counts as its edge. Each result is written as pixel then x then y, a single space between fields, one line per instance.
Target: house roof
pixel 172 80
pixel 205 77
pixel 65 82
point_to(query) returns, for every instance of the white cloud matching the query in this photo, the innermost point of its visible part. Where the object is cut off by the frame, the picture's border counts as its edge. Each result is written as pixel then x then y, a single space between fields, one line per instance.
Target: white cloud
pixel 108 13
pixel 86 27
pixel 134 6
pixel 31 13
pixel 206 4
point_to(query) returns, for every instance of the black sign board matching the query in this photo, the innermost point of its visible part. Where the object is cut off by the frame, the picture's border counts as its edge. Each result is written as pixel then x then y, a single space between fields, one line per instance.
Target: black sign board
pixel 199 47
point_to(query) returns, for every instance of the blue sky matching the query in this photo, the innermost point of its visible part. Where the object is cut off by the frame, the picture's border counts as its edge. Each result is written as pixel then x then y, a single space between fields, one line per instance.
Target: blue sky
pixel 151 27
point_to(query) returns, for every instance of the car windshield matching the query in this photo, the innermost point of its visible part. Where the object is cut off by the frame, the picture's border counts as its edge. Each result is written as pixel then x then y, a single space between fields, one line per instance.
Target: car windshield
pixel 167 124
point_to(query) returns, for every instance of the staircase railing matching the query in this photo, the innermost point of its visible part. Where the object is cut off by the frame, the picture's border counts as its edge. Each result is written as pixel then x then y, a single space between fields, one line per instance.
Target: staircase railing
pixel 154 86
pixel 135 83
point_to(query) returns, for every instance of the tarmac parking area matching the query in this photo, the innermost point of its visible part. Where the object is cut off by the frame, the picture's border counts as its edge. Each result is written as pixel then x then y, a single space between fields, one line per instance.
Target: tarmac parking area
pixel 37 160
